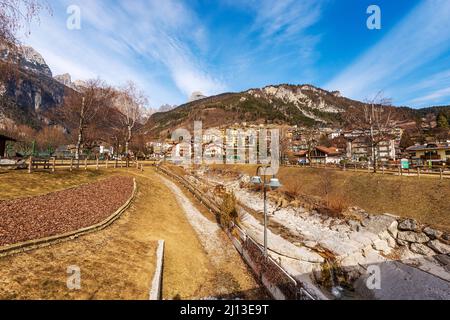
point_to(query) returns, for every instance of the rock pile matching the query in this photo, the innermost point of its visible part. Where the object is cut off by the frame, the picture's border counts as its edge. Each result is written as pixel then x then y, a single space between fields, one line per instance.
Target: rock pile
pixel 422 240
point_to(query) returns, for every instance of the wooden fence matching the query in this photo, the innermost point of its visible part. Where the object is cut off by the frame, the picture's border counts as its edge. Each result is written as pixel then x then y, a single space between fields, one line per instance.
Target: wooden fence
pixel 441 172
pixel 71 164
pixel 275 279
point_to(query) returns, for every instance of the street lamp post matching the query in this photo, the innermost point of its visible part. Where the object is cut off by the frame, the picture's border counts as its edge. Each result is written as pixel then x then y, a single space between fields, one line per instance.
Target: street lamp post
pixel 273 185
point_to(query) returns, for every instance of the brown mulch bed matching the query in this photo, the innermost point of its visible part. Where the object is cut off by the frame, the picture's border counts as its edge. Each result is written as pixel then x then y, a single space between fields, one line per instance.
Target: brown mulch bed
pixel 63 211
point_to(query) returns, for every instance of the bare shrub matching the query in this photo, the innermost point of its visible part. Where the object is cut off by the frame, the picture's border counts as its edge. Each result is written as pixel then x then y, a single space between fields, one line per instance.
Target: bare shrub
pixel 335 201
pixel 338 202
pixel 325 184
pixel 228 212
pixel 293 188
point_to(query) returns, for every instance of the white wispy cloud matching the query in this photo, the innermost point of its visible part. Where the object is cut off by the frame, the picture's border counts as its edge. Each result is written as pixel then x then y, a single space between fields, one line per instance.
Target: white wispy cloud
pixel 280 31
pixel 286 19
pixel 434 97
pixel 418 39
pixel 144 41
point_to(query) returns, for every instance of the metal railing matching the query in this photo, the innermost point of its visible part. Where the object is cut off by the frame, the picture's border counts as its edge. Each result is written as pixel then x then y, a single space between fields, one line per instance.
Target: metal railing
pixel 268 270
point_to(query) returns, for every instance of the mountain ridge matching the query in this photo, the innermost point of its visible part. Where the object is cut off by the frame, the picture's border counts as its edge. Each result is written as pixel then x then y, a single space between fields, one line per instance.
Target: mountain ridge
pixel 303 105
pixel 34 92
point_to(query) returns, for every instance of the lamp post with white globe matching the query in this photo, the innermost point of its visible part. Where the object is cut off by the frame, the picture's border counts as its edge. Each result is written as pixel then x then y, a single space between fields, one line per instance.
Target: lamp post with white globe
pixel 273 184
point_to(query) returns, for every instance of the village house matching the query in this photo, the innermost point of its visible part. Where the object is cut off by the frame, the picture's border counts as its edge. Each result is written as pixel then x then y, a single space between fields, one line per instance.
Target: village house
pixel 320 155
pixel 325 155
pixel 430 153
pixel 359 149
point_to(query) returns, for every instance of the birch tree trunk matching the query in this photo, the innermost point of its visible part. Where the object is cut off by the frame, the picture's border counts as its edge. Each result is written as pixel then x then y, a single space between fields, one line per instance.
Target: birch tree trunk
pixel 80 132
pixel 129 136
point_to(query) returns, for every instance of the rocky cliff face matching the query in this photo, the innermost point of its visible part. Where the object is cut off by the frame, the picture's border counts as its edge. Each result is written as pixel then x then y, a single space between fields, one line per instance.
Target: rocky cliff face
pixel 32 61
pixel 306 98
pixel 65 79
pixel 32 91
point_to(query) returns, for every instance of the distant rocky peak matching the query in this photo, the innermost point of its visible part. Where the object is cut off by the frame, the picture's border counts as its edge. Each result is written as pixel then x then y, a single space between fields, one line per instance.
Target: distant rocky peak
pixel 197 95
pixel 65 79
pixel 33 61
pixel 305 97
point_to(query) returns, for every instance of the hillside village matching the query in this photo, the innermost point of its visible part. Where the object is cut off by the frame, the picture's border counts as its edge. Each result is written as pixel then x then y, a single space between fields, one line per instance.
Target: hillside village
pixel 327 146
pixel 279 192
pixel 314 124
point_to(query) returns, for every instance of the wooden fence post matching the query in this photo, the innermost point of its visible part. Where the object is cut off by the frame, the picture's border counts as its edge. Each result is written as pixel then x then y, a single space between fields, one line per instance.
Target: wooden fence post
pixel 30 165
pixel 418 172
pixel 96 167
pixel 85 163
pixel 441 173
pixel 115 164
pixel 71 164
pixel 53 164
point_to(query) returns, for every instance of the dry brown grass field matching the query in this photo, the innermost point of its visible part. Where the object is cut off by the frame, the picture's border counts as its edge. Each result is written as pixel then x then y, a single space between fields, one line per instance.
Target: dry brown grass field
pixel 118 262
pixel 18 184
pixel 426 199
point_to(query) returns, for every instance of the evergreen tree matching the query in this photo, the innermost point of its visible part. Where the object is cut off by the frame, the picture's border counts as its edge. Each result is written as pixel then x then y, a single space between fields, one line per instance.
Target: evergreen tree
pixel 442 121
pixel 406 141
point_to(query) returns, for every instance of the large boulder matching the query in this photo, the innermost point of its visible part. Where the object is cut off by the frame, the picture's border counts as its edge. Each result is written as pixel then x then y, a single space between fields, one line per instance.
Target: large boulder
pixel 443 259
pixel 408 225
pixel 432 233
pixel 382 245
pixel 402 243
pixel 439 247
pixel 378 224
pixel 413 237
pixel 421 249
pixel 393 229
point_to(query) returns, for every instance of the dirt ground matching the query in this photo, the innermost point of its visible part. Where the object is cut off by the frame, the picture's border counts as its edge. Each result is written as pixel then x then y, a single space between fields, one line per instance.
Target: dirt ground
pixel 115 263
pixel 119 262
pixel 188 270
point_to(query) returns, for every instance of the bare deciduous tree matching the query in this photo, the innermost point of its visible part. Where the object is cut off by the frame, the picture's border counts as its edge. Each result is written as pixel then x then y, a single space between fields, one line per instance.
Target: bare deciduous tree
pixel 310 136
pixel 373 121
pixel 84 110
pixel 130 102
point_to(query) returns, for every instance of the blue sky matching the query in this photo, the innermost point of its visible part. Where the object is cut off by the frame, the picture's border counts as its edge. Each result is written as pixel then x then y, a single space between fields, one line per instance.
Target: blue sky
pixel 172 48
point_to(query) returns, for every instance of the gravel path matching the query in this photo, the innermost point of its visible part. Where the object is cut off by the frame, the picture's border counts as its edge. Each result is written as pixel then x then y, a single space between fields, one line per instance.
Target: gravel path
pixel 63 211
pixel 208 232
